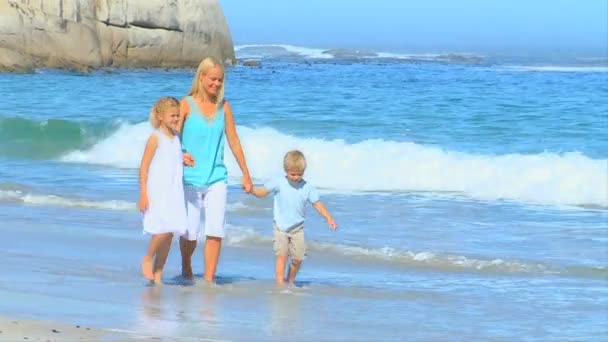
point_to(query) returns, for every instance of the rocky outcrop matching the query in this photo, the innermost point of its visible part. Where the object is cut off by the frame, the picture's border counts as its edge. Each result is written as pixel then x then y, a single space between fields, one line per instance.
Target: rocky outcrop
pixel 83 34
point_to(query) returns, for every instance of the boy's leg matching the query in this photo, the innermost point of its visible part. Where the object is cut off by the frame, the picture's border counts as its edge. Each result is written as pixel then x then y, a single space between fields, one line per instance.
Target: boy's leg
pixel 297 251
pixel 147 263
pixel 280 241
pixel 279 270
pixel 161 256
pixel 294 267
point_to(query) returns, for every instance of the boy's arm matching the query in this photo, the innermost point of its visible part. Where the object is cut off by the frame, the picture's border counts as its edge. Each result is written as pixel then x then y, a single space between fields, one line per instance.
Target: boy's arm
pixel 143 171
pixel 259 191
pixel 323 211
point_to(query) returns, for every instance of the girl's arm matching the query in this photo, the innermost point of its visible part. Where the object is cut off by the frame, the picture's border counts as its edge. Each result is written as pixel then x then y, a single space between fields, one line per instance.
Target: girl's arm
pixel 235 146
pixel 323 211
pixel 143 172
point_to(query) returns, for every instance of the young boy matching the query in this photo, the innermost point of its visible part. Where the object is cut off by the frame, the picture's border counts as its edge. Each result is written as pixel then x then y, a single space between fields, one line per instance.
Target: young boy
pixel 290 196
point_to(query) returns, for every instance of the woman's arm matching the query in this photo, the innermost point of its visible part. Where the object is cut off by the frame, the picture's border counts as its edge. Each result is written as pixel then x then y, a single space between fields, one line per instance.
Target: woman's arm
pixel 184 111
pixel 146 159
pixel 235 146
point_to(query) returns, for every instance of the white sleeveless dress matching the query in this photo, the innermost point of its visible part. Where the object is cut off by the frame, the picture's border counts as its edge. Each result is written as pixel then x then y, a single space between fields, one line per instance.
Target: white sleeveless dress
pixel 167 209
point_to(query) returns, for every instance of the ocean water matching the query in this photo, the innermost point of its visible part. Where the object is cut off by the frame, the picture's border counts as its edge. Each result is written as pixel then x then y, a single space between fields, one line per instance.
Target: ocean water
pixel 471 194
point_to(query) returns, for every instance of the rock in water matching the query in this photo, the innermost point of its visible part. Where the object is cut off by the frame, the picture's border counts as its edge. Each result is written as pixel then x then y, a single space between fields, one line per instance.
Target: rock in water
pixel 84 34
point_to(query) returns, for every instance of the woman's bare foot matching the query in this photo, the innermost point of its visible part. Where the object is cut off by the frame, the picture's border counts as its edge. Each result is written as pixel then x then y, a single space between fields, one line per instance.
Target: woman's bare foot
pixel 187 272
pixel 146 267
pixel 158 278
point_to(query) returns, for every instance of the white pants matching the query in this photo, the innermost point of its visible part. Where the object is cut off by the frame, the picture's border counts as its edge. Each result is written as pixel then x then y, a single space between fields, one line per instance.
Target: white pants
pixel 213 200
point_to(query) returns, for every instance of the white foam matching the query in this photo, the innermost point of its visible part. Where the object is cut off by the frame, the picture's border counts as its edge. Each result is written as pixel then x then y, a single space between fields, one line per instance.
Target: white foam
pixel 558 68
pixel 387 166
pixel 258 51
pixel 53 200
pixel 248 237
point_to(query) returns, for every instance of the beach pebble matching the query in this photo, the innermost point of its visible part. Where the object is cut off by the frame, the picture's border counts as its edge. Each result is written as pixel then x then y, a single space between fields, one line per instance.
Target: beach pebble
pixel 55 331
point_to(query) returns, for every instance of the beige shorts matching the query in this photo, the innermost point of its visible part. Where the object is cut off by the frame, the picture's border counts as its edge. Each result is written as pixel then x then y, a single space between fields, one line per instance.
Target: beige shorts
pixel 290 243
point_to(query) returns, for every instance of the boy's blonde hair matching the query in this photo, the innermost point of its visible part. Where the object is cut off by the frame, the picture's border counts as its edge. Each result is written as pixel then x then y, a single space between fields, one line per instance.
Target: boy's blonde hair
pixel 207 64
pixel 161 106
pixel 294 161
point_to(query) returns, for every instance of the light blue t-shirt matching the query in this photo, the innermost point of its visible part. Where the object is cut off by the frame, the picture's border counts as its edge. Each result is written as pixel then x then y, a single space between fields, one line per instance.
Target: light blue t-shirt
pixel 290 201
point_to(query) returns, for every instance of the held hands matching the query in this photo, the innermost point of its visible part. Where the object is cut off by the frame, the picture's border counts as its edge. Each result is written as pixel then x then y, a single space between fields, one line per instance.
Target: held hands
pixel 247 184
pixel 332 224
pixel 188 159
pixel 143 203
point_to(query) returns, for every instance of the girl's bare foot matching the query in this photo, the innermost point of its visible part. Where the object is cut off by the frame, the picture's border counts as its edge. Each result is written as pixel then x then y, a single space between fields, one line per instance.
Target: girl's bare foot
pixel 146 267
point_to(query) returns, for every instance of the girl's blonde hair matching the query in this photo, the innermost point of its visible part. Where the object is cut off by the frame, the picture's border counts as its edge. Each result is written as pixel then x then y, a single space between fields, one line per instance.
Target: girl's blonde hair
pixel 207 64
pixel 161 106
pixel 294 161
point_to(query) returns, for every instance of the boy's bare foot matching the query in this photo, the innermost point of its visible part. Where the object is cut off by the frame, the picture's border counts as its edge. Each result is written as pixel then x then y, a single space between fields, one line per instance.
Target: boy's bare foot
pixel 146 267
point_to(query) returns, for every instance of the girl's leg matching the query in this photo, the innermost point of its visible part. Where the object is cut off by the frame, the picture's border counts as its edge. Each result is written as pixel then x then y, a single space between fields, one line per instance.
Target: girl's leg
pixel 213 245
pixel 279 270
pixel 148 261
pixel 161 256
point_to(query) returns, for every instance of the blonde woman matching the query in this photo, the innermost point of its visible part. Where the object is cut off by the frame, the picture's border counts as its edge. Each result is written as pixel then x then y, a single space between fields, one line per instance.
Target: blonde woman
pixel 207 121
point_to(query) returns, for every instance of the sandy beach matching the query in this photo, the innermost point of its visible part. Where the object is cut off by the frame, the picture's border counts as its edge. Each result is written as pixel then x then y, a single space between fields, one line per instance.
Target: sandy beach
pixel 17 329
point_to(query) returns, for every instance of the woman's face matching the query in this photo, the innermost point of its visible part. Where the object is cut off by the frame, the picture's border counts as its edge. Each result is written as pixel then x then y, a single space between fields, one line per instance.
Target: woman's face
pixel 212 81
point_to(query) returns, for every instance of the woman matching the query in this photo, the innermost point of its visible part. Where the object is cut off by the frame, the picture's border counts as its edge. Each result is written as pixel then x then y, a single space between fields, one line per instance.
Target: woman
pixel 206 120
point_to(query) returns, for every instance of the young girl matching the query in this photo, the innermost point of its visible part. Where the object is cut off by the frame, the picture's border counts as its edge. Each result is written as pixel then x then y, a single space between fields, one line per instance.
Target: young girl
pixel 161 189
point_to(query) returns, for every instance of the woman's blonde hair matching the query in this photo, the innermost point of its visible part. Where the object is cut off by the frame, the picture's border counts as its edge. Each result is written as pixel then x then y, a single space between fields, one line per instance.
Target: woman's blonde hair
pixel 161 106
pixel 294 161
pixel 207 64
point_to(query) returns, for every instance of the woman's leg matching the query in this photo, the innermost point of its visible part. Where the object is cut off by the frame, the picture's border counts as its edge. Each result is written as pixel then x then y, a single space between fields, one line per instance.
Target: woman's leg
pixel 187 242
pixel 162 252
pixel 213 246
pixel 186 248
pixel 215 212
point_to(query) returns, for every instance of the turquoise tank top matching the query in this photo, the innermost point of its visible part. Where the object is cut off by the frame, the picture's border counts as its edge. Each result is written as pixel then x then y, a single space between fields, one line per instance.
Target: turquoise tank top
pixel 203 138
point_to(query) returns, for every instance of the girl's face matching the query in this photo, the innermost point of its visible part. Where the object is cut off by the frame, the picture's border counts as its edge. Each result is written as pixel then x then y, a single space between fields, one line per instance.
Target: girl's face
pixel 169 118
pixel 212 81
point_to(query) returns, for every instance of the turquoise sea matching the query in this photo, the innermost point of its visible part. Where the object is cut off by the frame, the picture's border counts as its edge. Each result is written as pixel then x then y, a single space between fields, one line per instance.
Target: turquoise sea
pixel 471 193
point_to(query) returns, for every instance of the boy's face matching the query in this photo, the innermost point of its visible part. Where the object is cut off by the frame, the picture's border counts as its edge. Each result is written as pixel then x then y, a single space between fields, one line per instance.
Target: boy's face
pixel 294 176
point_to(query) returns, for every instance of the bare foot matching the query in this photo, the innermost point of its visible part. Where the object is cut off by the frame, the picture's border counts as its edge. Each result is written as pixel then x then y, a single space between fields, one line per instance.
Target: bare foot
pixel 280 283
pixel 187 272
pixel 158 278
pixel 146 267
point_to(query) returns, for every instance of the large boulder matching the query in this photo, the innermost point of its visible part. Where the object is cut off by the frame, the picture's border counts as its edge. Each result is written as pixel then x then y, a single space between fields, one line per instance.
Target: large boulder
pixel 83 34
